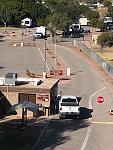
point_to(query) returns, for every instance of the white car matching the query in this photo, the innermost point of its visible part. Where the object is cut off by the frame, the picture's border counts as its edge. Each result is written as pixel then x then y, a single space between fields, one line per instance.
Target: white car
pixel 68 106
pixel 38 35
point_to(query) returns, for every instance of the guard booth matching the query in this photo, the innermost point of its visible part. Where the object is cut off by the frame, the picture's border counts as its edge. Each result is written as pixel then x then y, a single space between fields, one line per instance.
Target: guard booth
pixel 43 94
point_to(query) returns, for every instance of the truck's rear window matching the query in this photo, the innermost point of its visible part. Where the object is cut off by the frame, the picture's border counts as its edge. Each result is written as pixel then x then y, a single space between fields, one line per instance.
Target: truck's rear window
pixel 69 100
pixel 69 104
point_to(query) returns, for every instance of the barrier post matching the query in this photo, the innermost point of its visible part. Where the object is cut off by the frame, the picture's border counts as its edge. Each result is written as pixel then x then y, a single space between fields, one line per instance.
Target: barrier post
pixel 68 72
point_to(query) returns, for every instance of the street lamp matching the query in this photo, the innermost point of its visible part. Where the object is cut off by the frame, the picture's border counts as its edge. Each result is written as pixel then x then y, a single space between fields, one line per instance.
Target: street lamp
pixel 22 42
pixel 55 54
pixel 45 55
pixel 44 73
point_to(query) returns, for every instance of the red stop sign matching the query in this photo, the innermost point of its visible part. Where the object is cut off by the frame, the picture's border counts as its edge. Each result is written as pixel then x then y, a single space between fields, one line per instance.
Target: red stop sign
pixel 100 99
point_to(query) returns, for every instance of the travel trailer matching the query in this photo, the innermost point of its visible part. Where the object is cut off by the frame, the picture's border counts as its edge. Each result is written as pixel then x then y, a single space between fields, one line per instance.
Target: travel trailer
pixel 26 22
pixel 40 32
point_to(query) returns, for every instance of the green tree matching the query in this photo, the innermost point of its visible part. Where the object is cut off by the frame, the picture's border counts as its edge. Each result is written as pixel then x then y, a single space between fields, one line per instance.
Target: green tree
pixel 105 39
pixel 62 13
pixel 12 11
pixel 108 4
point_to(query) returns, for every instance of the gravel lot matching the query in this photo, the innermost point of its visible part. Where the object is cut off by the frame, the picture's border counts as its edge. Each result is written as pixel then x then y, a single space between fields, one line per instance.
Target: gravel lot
pixel 16 58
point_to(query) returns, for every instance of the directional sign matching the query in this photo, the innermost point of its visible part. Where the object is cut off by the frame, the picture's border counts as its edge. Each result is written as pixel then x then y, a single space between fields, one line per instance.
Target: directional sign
pixel 100 99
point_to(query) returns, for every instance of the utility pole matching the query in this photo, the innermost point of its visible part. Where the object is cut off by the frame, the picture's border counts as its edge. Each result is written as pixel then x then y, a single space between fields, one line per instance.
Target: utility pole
pixel 22 44
pixel 55 54
pixel 45 55
pixel 45 61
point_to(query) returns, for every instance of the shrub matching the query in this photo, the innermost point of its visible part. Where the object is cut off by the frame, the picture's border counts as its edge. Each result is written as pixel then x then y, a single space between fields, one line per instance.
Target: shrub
pixel 105 39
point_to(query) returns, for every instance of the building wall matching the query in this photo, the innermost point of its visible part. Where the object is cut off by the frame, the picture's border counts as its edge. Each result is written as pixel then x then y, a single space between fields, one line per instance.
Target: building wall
pixel 45 97
pixel 12 97
pixel 44 101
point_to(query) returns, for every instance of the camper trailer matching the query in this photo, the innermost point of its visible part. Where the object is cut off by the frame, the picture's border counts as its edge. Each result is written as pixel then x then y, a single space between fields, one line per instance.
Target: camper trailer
pixel 108 21
pixel 26 22
pixel 40 32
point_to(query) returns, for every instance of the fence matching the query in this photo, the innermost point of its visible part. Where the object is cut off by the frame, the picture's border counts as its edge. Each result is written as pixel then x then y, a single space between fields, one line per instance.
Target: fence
pixel 93 55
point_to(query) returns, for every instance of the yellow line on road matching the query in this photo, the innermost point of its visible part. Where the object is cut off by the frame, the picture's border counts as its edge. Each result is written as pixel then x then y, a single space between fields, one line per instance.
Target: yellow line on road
pixel 102 122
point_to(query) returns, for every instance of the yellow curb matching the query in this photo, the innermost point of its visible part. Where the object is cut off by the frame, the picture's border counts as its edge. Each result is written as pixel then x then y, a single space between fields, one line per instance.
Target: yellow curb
pixel 101 122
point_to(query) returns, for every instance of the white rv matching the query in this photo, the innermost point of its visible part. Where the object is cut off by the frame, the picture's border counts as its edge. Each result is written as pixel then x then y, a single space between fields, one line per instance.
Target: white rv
pixel 108 20
pixel 26 22
pixel 40 32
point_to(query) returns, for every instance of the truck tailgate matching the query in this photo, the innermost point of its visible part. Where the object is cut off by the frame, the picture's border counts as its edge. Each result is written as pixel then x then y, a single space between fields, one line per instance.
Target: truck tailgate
pixel 69 109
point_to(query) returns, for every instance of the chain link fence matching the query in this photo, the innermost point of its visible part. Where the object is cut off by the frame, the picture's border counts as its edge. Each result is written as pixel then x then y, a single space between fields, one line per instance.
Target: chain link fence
pixel 93 55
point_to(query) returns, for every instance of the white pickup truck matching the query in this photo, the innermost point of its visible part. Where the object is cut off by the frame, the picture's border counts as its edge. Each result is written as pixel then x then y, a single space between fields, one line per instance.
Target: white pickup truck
pixel 68 106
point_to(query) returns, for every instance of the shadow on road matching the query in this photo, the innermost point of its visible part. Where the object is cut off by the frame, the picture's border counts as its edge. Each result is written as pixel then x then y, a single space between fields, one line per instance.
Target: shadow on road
pixel 2 40
pixel 2 67
pixel 85 113
pixel 56 133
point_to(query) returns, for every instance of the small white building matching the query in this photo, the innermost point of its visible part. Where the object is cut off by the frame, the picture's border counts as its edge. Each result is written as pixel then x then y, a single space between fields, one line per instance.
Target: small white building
pixel 84 21
pixel 26 22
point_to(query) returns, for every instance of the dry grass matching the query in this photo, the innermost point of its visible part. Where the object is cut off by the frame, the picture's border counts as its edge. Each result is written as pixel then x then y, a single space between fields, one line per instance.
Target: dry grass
pixel 107 54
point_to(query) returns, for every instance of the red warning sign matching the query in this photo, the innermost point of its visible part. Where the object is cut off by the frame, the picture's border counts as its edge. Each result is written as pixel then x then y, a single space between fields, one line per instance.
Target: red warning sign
pixel 100 99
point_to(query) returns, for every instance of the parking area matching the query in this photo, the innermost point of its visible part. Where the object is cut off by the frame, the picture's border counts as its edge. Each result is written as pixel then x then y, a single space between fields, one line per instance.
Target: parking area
pixel 16 58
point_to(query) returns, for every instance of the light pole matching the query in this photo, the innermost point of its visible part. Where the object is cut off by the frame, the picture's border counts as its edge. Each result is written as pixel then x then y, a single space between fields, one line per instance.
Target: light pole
pixel 22 43
pixel 44 73
pixel 45 55
pixel 55 54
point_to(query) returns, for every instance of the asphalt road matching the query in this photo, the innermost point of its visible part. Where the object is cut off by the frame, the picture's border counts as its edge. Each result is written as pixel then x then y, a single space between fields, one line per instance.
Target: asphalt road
pixel 93 131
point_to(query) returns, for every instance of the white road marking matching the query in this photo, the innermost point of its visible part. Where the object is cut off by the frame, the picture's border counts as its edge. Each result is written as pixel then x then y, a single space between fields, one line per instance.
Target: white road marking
pixel 90 127
pixel 44 59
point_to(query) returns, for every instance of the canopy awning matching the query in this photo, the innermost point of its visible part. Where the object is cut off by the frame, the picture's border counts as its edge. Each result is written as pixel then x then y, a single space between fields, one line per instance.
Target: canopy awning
pixel 28 105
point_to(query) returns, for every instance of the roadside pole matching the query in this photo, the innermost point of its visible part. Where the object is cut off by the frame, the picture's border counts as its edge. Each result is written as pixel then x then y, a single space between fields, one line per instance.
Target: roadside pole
pixel 44 72
pixel 22 44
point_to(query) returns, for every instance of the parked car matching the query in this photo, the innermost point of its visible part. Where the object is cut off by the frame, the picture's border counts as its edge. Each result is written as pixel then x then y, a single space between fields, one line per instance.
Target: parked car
pixel 68 106
pixel 38 35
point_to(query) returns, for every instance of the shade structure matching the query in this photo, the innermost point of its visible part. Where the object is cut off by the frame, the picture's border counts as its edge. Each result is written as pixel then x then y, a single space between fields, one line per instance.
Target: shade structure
pixel 25 106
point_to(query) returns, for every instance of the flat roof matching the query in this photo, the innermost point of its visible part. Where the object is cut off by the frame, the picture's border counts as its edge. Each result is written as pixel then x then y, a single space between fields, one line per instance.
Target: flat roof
pixel 47 83
pixel 31 87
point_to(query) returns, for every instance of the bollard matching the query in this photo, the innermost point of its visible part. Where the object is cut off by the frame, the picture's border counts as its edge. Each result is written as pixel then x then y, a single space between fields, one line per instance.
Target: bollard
pixel 68 72
pixel 44 75
pixel 22 44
